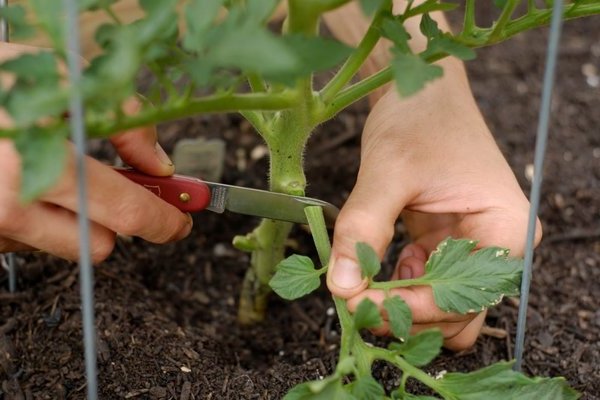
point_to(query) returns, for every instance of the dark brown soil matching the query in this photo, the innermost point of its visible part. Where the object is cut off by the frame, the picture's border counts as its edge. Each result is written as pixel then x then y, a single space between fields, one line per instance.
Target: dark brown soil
pixel 166 315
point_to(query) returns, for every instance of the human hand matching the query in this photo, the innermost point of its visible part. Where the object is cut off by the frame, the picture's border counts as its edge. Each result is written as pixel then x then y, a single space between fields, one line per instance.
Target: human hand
pixel 116 205
pixel 431 159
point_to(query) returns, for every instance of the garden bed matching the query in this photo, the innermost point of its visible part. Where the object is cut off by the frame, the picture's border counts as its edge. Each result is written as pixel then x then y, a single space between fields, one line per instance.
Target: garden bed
pixel 166 315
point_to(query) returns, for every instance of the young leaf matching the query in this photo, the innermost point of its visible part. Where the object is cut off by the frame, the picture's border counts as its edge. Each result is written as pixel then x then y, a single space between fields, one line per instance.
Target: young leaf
pixel 370 6
pixel 367 388
pixel 429 27
pixel 296 276
pixel 367 259
pixel 394 30
pixel 43 156
pixel 316 53
pixel 367 315
pixel 421 348
pixel 448 45
pixel 16 17
pixel 50 16
pixel 399 316
pixel 464 282
pixel 327 389
pixel 412 73
pixel 499 381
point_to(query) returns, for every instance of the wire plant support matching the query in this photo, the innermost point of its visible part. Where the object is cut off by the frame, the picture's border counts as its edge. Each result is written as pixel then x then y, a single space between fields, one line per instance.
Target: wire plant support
pixel 79 139
pixel 538 168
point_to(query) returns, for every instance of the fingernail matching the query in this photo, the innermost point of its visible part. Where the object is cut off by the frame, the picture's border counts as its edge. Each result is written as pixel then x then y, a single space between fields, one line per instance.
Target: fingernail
pixel 190 219
pixel 407 251
pixel 162 155
pixel 405 272
pixel 346 273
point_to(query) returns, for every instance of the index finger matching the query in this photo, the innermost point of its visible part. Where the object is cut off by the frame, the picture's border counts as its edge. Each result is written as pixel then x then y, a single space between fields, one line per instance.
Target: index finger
pixel 120 204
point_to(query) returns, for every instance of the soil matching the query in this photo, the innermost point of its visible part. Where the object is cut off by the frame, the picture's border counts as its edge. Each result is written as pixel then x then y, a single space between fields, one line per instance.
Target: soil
pixel 166 315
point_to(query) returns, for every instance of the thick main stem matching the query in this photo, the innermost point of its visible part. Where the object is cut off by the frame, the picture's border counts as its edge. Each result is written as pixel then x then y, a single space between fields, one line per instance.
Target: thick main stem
pixel 286 142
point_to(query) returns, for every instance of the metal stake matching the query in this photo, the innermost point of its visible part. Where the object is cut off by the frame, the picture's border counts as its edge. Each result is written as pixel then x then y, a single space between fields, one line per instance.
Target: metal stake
pixel 79 139
pixel 540 150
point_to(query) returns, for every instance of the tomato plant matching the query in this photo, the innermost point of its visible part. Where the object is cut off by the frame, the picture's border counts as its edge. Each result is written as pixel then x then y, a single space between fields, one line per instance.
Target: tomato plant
pixel 227 59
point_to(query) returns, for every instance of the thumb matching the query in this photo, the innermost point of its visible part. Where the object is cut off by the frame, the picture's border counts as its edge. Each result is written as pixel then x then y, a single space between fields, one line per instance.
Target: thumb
pixel 369 216
pixel 139 148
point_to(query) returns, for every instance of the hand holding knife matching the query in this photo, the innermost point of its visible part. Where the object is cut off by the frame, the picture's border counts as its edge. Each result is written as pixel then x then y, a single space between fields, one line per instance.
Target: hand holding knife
pixel 191 194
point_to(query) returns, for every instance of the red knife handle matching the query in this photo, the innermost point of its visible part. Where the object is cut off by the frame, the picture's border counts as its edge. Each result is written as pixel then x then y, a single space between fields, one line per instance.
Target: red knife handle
pixel 186 193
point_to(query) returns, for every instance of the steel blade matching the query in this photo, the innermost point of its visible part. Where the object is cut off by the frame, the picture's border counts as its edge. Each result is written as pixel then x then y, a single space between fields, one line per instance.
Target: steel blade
pixel 265 204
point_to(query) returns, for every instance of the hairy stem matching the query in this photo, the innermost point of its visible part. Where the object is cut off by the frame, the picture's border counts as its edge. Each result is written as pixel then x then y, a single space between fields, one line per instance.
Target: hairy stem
pixel 208 104
pixel 356 59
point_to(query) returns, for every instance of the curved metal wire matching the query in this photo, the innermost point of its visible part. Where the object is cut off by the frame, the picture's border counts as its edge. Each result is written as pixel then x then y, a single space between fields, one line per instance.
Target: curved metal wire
pixel 78 136
pixel 538 167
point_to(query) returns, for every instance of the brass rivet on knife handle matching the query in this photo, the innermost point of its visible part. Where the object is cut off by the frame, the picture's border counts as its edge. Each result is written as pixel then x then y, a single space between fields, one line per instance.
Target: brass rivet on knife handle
pixel 185 197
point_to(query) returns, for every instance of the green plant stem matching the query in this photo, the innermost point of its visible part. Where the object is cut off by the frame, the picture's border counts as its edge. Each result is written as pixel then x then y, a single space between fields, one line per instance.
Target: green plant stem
pixel 479 38
pixel 286 141
pixel 316 221
pixel 356 59
pixel 507 12
pixel 208 104
pixel 391 357
pixel 469 21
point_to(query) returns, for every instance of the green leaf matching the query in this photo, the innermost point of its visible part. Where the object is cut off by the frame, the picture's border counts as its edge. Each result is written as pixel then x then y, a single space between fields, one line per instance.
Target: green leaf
pixel 464 282
pixel 499 381
pixel 295 277
pixel 394 30
pixel 448 45
pixel 36 92
pixel 35 68
pixel 199 16
pixel 429 27
pixel 399 316
pixel 316 53
pixel 367 388
pixel 408 396
pixel 370 6
pixel 328 389
pixel 16 17
pixel 261 10
pixel 500 3
pixel 43 158
pixel 367 315
pixel 412 73
pixel 253 49
pixel 51 18
pixel 421 348
pixel 367 259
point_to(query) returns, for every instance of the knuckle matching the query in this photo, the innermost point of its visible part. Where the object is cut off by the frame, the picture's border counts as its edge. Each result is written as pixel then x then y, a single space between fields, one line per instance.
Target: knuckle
pixel 131 218
pixel 102 246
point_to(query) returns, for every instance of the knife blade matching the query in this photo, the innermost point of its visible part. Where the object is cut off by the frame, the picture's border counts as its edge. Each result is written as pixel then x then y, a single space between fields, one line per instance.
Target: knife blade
pixel 191 194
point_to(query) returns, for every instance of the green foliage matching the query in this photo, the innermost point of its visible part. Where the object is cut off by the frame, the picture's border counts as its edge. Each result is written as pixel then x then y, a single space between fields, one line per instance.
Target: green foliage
pixel 367 260
pixel 367 315
pixel 399 316
pixel 463 282
pixel 421 348
pixel 43 157
pixel 367 388
pixel 411 73
pixel 295 277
